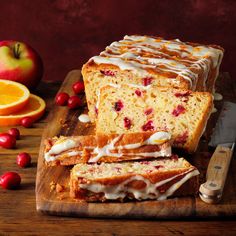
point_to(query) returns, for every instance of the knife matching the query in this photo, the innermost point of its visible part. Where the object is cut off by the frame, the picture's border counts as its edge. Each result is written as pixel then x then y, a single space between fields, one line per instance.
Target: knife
pixel 223 138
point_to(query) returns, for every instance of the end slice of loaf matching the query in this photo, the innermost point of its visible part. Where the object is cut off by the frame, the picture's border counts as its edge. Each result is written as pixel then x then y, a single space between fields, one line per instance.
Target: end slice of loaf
pixel 106 148
pixel 140 180
pixel 128 109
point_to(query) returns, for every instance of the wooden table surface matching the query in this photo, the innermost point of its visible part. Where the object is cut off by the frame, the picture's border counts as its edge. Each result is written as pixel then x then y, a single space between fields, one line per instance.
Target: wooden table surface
pixel 18 215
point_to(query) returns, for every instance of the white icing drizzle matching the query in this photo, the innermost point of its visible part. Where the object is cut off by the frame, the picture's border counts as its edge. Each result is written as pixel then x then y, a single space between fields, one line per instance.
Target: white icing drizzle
pixel 170 65
pixel 158 137
pixel 113 192
pixel 74 153
pixel 84 118
pixel 132 59
pixel 58 148
pixel 217 96
pixel 107 150
pixel 214 110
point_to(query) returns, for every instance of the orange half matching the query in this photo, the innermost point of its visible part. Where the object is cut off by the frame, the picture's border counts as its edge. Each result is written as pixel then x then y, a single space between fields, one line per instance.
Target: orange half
pixel 34 108
pixel 13 96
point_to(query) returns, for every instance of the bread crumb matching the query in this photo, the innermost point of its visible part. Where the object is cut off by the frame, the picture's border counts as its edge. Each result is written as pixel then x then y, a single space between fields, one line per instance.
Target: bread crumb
pixel 52 186
pixel 59 188
pixel 61 197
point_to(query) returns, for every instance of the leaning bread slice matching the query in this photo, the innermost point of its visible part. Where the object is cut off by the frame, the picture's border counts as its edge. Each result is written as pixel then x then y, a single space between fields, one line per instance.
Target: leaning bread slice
pixel 129 108
pixel 106 148
pixel 141 180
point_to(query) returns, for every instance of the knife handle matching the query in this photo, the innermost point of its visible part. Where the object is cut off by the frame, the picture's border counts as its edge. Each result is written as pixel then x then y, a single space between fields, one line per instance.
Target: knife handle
pixel 211 190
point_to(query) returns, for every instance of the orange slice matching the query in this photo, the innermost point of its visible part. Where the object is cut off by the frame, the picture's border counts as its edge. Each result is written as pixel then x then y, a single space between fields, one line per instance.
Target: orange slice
pixel 34 108
pixel 13 96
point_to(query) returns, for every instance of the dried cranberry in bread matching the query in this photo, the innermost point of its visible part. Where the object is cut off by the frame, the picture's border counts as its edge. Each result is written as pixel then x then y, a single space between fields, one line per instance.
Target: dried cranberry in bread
pixel 106 148
pixel 146 60
pixel 183 113
pixel 141 180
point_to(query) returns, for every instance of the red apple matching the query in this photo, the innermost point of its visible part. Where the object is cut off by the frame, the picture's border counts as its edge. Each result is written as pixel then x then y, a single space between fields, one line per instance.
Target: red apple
pixel 21 63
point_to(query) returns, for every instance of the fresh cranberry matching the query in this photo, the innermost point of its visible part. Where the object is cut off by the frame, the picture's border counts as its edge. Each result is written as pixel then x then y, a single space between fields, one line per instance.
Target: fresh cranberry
pixel 182 94
pixel 23 159
pixel 147 81
pixel 138 92
pixel 78 87
pixel 27 122
pixel 148 126
pixel 14 132
pixel 7 141
pixel 10 180
pixel 148 111
pixel 118 105
pixel 178 110
pixel 181 139
pixel 127 123
pixel 107 72
pixel 62 99
pixel 74 102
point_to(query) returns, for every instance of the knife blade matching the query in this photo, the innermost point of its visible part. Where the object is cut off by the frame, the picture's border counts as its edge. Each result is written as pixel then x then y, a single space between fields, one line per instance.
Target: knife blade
pixel 223 138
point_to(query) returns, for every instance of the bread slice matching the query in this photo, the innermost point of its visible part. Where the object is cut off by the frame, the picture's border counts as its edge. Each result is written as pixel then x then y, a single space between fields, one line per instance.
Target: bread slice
pixel 144 60
pixel 128 109
pixel 106 148
pixel 140 180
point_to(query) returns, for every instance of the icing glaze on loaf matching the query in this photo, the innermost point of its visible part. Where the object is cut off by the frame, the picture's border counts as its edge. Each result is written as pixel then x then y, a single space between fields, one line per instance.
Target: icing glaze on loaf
pixel 58 148
pixel 84 118
pixel 141 53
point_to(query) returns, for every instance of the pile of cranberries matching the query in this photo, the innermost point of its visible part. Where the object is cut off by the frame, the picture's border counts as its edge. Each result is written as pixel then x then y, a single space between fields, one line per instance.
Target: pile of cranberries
pixel 12 180
pixel 73 102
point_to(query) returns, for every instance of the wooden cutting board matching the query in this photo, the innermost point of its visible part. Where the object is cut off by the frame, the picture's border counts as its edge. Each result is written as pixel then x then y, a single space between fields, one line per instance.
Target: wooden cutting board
pixel 62 121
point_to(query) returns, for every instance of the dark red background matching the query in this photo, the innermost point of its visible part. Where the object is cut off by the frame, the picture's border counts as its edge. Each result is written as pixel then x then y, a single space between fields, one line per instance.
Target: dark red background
pixel 68 32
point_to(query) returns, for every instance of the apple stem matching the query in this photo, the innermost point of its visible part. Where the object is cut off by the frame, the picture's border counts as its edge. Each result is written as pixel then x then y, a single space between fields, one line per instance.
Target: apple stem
pixel 16 50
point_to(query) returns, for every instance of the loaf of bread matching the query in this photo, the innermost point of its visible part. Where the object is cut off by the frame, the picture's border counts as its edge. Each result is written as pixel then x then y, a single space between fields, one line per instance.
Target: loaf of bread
pixel 141 180
pixel 144 60
pixel 106 148
pixel 128 109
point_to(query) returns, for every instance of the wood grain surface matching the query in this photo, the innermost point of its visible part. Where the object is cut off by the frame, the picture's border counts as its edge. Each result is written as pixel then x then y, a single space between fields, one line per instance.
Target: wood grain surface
pixel 62 121
pixel 18 215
